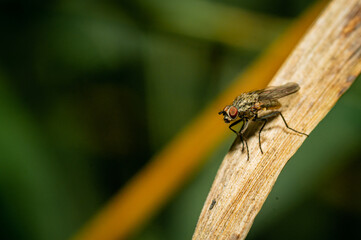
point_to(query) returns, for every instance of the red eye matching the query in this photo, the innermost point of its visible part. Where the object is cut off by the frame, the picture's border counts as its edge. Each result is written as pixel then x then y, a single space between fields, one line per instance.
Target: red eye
pixel 233 112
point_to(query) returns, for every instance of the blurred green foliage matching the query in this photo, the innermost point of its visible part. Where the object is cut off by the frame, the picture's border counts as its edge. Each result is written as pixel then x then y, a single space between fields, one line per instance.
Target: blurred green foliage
pixel 90 90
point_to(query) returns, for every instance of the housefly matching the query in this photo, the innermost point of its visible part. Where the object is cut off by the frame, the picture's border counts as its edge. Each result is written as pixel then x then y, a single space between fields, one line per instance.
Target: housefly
pixel 245 108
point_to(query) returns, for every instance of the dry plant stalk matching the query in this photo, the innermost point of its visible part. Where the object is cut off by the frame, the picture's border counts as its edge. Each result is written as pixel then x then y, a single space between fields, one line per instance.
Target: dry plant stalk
pixel 324 64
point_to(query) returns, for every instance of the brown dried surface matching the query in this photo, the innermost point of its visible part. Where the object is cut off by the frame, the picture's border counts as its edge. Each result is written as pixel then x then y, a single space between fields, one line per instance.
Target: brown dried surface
pixel 324 64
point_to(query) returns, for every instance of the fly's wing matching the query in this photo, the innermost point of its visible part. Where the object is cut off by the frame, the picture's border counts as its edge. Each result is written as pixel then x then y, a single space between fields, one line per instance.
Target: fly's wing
pixel 277 92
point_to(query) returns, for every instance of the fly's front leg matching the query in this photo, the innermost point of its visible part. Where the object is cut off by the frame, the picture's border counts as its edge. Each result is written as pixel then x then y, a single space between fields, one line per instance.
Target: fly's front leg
pixel 244 140
pixel 233 124
pixel 240 133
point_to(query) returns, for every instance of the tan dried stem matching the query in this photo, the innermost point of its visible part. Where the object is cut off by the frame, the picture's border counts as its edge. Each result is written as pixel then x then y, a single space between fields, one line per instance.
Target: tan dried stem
pixel 324 64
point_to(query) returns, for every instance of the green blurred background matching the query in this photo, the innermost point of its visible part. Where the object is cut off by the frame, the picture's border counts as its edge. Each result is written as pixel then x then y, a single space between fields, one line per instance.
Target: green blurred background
pixel 85 84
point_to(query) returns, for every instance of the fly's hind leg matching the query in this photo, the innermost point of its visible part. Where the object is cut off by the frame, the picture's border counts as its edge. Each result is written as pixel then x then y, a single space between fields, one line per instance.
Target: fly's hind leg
pixel 284 120
pixel 265 118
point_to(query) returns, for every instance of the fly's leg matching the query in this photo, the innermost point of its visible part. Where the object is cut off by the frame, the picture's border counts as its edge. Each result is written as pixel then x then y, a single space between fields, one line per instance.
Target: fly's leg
pixel 284 120
pixel 238 134
pixel 243 140
pixel 264 119
pixel 233 124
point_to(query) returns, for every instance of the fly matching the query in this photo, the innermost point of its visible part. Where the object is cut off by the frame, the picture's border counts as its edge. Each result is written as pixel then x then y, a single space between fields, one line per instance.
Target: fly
pixel 245 108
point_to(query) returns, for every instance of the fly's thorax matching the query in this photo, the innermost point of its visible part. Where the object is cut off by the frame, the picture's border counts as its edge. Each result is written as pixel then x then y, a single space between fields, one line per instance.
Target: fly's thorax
pixel 245 101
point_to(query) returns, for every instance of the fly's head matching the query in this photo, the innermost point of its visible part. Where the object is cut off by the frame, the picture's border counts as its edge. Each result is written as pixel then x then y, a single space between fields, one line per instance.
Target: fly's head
pixel 230 113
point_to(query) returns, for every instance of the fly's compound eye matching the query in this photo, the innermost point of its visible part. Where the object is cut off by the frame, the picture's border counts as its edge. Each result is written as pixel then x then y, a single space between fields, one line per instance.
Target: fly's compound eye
pixel 233 112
